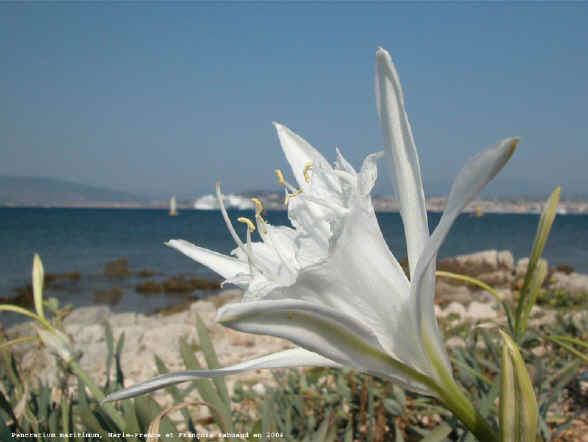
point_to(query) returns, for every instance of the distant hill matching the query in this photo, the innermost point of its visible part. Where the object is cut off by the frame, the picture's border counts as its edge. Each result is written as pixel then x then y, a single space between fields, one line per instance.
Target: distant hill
pixel 52 191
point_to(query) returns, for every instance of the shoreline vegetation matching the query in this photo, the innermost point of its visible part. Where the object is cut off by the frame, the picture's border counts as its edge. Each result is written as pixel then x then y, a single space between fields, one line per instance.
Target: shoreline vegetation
pixel 495 268
pixel 150 340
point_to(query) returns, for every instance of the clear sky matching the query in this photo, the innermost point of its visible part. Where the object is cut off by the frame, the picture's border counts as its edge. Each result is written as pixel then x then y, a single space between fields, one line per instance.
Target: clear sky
pixel 170 98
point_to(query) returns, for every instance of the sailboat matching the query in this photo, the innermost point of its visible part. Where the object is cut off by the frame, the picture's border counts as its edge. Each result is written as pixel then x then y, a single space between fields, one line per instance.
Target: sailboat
pixel 478 213
pixel 172 207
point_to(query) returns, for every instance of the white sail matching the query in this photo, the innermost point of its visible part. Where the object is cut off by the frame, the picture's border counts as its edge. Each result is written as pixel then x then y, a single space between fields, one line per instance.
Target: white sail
pixel 172 206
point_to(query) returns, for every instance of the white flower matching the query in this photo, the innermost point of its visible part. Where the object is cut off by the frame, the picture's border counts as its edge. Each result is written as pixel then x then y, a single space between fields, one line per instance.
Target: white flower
pixel 330 284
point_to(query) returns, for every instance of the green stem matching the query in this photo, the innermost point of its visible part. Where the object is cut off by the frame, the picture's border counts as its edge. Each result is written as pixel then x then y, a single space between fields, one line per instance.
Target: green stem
pixel 98 395
pixel 454 399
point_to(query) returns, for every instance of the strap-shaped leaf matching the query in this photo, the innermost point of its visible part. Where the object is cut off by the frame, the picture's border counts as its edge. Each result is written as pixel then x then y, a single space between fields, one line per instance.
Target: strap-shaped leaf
pixel 38 276
pixel 518 412
pixel 543 229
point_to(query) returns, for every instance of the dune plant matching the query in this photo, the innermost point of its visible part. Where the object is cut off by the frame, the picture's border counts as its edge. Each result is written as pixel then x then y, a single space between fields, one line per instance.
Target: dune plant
pixel 332 286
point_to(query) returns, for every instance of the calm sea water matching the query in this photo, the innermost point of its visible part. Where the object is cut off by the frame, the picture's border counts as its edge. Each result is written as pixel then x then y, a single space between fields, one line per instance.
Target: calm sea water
pixel 86 239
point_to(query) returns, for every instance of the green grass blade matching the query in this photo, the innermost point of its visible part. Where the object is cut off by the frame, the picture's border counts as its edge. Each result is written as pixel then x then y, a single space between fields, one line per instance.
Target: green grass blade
pixel 543 229
pixel 470 280
pixel 120 376
pixel 175 393
pixel 439 433
pixel 569 339
pixel 109 351
pixel 268 413
pixel 38 276
pixel 473 372
pixel 207 349
pixel 205 386
pixel 568 348
pixel 537 279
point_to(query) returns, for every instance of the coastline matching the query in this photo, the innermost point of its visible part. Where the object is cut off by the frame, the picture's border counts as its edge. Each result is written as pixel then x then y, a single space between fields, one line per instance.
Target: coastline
pixel 274 202
pixel 147 335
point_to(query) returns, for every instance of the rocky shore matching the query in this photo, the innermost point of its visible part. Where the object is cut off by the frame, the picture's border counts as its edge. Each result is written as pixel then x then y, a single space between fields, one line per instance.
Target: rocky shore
pixel 148 335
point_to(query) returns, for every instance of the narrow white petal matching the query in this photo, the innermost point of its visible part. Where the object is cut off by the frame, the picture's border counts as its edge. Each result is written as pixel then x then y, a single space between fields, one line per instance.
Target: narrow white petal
pixel 225 266
pixel 298 152
pixel 330 333
pixel 402 156
pixel 296 357
pixel 361 278
pixel 469 182
pixel 368 174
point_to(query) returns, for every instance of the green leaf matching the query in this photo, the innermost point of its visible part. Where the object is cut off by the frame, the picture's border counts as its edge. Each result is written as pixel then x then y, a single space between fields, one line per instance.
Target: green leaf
pixel 537 279
pixel 120 377
pixel 132 423
pixel 470 280
pixel 348 432
pixel 174 391
pixel 109 351
pixel 38 276
pixel 562 343
pixel 471 371
pixel 439 433
pixel 147 410
pixel 518 412
pixel 212 362
pixel 321 434
pixel 268 412
pixel 543 229
pixel 204 386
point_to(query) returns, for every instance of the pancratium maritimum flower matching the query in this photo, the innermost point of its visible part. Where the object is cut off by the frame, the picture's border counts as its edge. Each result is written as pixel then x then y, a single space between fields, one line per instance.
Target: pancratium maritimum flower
pixel 330 284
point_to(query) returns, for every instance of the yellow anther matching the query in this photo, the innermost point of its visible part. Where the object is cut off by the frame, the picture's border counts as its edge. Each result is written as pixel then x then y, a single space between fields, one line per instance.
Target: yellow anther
pixel 292 195
pixel 247 221
pixel 305 172
pixel 280 176
pixel 258 206
pixel 260 218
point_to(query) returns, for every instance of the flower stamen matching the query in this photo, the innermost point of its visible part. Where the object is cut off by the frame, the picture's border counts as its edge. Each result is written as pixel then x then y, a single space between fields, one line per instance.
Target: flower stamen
pixel 258 206
pixel 283 182
pixel 291 195
pixel 247 250
pixel 305 172
pixel 247 221
pixel 280 177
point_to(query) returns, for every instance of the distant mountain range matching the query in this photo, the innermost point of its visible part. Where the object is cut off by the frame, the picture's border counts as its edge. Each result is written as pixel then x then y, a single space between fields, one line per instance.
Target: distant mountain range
pixel 51 191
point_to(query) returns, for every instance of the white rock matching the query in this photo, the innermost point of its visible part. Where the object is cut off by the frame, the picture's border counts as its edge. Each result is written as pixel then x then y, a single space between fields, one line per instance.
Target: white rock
pixel 506 260
pixel 454 307
pixel 88 315
pixel 259 388
pixel 521 267
pixel 455 341
pixel 122 319
pixel 478 310
pixel 574 282
pixel 487 259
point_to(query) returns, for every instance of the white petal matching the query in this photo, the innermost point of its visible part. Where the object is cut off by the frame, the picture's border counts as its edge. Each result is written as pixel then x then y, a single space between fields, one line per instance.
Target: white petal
pixel 472 178
pixel 362 278
pixel 333 334
pixel 296 357
pixel 225 266
pixel 402 156
pixel 342 164
pixel 298 152
pixel 368 174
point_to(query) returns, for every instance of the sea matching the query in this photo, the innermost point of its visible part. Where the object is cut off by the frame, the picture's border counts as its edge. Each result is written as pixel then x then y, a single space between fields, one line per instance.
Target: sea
pixel 85 240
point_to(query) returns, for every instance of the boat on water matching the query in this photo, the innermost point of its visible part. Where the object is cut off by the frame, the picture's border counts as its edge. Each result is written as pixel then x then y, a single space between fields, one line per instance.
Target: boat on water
pixel 478 213
pixel 173 211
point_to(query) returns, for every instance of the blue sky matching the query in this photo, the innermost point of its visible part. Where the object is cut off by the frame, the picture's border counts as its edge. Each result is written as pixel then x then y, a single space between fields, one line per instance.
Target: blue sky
pixel 170 98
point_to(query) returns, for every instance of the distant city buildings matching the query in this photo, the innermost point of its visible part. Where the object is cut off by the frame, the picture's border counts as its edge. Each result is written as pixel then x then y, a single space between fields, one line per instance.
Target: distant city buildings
pixel 275 201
